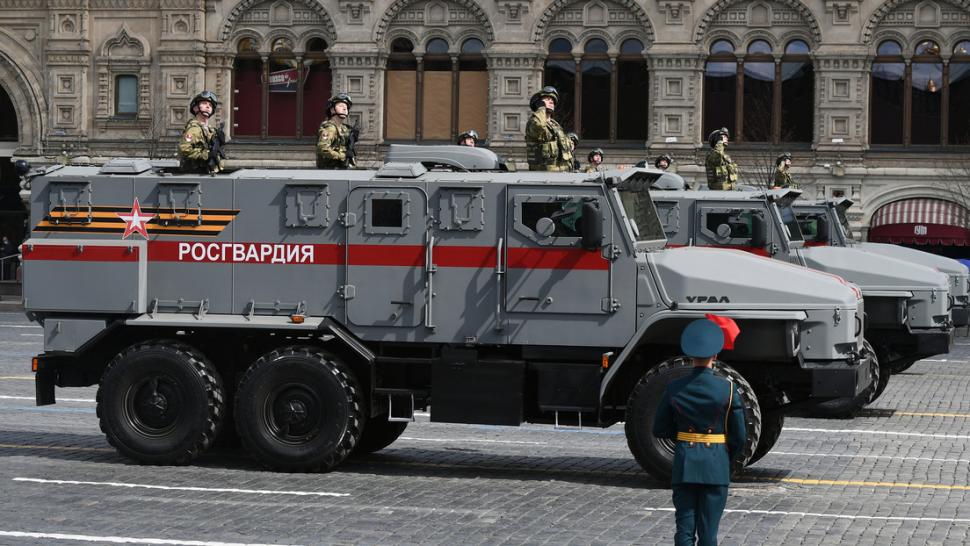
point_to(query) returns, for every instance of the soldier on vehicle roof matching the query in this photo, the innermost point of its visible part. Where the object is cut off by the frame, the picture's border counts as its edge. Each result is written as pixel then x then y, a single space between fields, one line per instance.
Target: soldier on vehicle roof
pixel 547 146
pixel 704 415
pixel 468 138
pixel 783 177
pixel 722 171
pixel 336 142
pixel 663 162
pixel 196 153
pixel 574 138
pixel 595 158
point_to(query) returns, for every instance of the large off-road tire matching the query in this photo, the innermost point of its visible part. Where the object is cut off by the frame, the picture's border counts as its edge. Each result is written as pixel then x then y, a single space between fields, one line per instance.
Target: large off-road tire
pixel 772 421
pixel 656 456
pixel 299 409
pixel 378 434
pixel 161 402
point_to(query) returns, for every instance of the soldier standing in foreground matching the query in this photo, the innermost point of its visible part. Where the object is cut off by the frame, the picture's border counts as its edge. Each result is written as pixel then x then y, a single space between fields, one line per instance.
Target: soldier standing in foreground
pixel 200 149
pixel 547 146
pixel 595 159
pixel 783 177
pixel 336 143
pixel 722 172
pixel 468 138
pixel 704 415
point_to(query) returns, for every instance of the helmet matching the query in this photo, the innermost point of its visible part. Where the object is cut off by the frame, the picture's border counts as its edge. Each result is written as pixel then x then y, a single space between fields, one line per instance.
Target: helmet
pixel 641 164
pixel 547 91
pixel 471 133
pixel 715 136
pixel 593 152
pixel 207 96
pixel 339 97
pixel 781 158
pixel 573 137
pixel 663 157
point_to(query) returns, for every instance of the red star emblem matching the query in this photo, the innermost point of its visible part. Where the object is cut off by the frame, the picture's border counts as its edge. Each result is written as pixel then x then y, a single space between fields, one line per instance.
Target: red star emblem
pixel 135 221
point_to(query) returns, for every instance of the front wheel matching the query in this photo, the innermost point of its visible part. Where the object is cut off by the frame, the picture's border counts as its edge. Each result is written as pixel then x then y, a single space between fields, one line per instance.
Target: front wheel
pixel 844 408
pixel 656 455
pixel 161 402
pixel 298 409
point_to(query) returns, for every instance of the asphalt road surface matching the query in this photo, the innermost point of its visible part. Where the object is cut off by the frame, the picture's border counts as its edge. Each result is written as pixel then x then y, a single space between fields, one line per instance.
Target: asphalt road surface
pixel 899 474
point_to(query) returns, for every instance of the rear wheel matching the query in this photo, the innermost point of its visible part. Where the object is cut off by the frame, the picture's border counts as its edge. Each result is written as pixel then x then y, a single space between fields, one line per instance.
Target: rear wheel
pixel 378 434
pixel 160 402
pixel 298 409
pixel 772 421
pixel 656 455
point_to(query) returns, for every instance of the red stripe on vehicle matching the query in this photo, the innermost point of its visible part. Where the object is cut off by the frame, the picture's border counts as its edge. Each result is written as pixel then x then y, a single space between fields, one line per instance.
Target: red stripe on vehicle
pixel 80 253
pixel 556 258
pixel 392 255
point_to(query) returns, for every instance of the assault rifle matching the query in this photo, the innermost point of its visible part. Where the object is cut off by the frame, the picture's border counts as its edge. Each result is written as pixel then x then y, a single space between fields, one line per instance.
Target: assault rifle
pixel 216 152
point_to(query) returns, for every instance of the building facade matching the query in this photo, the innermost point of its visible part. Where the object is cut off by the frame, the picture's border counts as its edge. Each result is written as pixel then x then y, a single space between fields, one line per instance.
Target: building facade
pixel 872 97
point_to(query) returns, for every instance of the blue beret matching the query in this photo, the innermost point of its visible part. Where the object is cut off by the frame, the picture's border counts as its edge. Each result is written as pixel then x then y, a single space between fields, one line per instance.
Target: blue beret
pixel 702 339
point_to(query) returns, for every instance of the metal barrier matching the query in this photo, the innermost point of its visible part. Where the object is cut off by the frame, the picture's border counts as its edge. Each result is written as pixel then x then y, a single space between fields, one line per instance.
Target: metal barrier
pixel 8 267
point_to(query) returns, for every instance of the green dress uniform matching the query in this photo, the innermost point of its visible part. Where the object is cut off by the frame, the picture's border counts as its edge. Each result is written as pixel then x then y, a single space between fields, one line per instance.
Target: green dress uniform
pixel 783 178
pixel 194 147
pixel 722 171
pixel 332 145
pixel 547 146
pixel 704 415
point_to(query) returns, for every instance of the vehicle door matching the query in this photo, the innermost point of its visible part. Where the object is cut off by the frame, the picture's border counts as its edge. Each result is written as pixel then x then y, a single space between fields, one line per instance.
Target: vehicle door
pixel 386 257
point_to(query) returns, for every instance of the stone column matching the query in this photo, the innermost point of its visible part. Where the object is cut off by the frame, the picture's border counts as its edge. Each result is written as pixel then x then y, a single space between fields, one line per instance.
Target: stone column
pixel 513 78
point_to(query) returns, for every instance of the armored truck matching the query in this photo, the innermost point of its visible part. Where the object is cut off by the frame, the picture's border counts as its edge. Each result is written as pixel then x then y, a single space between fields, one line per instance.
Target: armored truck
pixel 316 311
pixel 825 222
pixel 907 304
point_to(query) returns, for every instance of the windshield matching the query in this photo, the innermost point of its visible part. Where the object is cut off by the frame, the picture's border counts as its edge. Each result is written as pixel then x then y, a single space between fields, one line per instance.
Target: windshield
pixel 844 223
pixel 640 209
pixel 790 220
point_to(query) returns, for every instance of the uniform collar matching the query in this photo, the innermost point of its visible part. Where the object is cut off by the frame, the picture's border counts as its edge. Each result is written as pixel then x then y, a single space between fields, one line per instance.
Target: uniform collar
pixel 699 370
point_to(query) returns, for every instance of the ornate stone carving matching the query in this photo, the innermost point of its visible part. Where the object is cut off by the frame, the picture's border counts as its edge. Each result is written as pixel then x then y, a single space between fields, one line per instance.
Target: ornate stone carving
pixel 355 10
pixel 254 12
pixel 574 13
pixel 416 13
pixel 513 10
pixel 734 12
pixel 841 10
pixel 675 11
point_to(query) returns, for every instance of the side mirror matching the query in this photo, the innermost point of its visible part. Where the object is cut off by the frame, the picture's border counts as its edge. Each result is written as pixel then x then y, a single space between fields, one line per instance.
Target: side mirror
pixel 822 230
pixel 759 231
pixel 591 227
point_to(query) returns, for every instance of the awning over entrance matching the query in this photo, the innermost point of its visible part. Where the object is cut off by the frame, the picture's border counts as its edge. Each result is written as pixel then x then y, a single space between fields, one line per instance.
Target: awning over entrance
pixel 921 222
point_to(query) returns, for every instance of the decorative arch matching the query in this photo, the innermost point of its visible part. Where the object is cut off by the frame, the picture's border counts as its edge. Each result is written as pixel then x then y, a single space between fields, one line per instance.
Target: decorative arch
pixel 887 7
pixel 19 82
pixel 926 34
pixel 538 33
pixel 433 33
pixel 381 31
pixel 711 15
pixel 776 45
pixel 888 34
pixel 722 34
pixel 126 45
pixel 329 28
pixel 592 33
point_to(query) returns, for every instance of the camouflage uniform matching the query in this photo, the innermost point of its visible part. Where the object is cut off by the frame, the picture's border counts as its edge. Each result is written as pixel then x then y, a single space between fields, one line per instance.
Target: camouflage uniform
pixel 591 168
pixel 722 172
pixel 548 147
pixel 332 146
pixel 194 147
pixel 783 178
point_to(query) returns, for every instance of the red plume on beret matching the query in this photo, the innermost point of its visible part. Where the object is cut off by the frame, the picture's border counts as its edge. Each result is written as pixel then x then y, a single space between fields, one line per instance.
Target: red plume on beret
pixel 728 326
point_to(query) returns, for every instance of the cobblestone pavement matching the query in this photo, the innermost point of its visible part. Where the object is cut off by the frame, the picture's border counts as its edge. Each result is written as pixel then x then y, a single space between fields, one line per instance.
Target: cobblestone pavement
pixel 896 475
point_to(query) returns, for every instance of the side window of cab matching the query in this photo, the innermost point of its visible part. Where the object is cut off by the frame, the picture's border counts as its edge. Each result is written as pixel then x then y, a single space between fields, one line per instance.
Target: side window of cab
pixel 725 226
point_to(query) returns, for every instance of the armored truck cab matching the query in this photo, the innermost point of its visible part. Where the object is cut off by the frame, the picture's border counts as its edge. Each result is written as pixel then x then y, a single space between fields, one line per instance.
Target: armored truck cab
pixel 825 222
pixel 906 304
pixel 328 306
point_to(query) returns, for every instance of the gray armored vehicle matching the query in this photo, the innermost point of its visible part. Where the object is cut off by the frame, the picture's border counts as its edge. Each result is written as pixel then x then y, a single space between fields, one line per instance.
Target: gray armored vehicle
pixel 825 222
pixel 907 306
pixel 325 307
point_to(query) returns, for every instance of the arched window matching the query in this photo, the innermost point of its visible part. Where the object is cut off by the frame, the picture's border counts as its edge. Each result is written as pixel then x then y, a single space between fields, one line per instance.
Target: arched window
pixel 284 97
pixel 592 89
pixel 438 96
pixel 888 91
pixel 925 102
pixel 797 93
pixel 631 92
pixel 759 99
pixel 958 91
